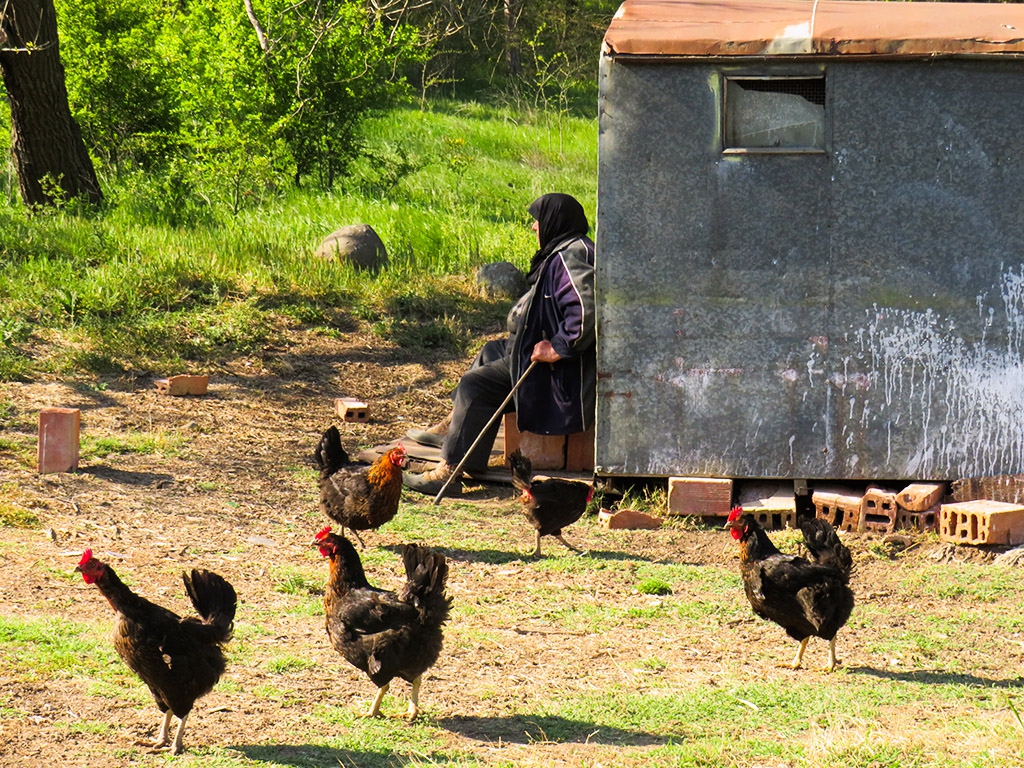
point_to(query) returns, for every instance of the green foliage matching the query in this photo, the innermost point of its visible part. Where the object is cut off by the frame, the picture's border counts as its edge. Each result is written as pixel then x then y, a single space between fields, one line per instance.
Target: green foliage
pixel 167 275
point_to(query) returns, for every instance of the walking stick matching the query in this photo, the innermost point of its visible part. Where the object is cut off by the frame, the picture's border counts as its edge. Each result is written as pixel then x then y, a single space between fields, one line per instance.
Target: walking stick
pixel 494 418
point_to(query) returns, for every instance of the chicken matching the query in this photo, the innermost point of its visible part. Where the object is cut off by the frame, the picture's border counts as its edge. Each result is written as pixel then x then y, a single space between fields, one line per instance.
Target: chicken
pixel 807 598
pixel 358 496
pixel 384 634
pixel 180 659
pixel 549 503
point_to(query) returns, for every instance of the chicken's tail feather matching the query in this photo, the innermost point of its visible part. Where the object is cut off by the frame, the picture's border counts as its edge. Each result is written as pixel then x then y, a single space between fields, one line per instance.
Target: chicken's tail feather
pixel 330 456
pixel 426 572
pixel 522 470
pixel 213 598
pixel 825 546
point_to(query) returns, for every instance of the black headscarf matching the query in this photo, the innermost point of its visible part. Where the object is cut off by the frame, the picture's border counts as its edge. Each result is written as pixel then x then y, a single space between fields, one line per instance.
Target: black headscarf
pixel 559 217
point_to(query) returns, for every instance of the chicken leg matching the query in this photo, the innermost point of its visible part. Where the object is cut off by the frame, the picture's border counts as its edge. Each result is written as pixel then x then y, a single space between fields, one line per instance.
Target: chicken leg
pixel 795 664
pixel 162 740
pixel 567 545
pixel 831 655
pixel 375 708
pixel 414 699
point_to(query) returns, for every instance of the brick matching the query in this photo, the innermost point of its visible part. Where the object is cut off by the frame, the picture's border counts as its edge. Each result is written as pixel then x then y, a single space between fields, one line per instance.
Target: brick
pixel 579 451
pixel 772 504
pixel 1008 488
pixel 182 385
pixel 58 439
pixel 543 451
pixel 839 507
pixel 350 409
pixel 706 496
pixel 982 522
pixel 928 520
pixel 627 519
pixel 878 510
pixel 920 497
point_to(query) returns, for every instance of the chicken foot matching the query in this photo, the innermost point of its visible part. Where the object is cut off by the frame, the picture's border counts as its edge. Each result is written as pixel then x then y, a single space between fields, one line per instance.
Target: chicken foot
pixel 831 656
pixel 414 699
pixel 569 546
pixel 162 741
pixel 795 664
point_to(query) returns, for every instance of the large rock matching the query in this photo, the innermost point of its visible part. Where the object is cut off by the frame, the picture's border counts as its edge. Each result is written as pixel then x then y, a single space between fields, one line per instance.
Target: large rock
pixel 501 278
pixel 358 244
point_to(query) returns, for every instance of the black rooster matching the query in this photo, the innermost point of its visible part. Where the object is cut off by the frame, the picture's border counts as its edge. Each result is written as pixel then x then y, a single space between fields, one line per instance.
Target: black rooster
pixel 180 659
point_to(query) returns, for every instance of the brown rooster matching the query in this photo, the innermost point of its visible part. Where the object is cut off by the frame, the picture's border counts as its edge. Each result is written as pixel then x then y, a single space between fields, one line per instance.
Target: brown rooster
pixel 180 659
pixel 549 503
pixel 358 496
pixel 384 634
pixel 807 598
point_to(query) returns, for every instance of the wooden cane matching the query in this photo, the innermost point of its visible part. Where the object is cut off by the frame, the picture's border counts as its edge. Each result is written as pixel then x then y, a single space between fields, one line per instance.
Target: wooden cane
pixel 494 418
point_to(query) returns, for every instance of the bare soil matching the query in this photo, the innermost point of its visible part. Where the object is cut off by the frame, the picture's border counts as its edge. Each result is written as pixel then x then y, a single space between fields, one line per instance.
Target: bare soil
pixel 237 495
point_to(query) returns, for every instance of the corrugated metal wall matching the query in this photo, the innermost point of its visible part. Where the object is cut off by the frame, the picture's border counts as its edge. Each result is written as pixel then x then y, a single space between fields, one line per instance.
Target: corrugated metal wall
pixel 852 314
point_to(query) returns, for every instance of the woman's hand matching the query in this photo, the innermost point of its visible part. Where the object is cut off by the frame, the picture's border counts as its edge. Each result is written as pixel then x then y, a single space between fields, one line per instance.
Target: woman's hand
pixel 543 352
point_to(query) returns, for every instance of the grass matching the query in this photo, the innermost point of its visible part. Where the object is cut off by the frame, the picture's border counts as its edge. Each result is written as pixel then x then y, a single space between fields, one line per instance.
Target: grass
pixel 446 188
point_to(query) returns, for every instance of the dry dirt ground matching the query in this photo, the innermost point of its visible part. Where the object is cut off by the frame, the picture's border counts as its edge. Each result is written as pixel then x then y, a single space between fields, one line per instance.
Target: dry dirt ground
pixel 237 495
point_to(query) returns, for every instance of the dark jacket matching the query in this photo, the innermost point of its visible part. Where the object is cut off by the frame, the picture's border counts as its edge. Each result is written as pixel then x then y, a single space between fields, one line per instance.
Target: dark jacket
pixel 559 398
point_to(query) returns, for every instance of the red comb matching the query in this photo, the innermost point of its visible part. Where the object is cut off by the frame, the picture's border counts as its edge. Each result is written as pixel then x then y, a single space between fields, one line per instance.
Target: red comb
pixel 736 512
pixel 323 534
pixel 86 557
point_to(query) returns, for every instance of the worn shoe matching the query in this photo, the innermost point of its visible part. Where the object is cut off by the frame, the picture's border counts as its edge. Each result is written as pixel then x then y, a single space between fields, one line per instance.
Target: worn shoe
pixel 432 481
pixel 434 435
pixel 424 437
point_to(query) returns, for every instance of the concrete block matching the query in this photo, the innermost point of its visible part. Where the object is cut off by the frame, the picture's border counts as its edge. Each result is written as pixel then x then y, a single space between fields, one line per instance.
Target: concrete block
pixel 350 409
pixel 982 522
pixel 839 507
pixel 706 496
pixel 58 439
pixel 627 519
pixel 919 497
pixel 772 504
pixel 878 510
pixel 182 385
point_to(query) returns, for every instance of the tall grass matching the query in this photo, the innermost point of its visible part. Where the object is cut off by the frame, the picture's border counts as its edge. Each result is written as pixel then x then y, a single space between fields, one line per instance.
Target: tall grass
pixel 446 187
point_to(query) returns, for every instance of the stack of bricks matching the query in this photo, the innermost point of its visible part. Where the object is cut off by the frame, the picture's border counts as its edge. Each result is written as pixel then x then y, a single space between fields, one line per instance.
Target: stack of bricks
pixel 701 496
pixel 878 510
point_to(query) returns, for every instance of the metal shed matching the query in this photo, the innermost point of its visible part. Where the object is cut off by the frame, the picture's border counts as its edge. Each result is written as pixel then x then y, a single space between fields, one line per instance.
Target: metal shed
pixel 810 234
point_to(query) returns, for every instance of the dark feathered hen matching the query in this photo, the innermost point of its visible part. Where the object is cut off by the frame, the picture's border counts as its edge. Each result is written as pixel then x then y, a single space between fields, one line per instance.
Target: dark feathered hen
pixel 386 634
pixel 549 503
pixel 807 598
pixel 358 496
pixel 180 659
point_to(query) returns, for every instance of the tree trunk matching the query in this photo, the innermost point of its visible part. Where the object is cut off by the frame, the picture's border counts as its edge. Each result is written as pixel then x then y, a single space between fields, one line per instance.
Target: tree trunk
pixel 46 144
pixel 513 63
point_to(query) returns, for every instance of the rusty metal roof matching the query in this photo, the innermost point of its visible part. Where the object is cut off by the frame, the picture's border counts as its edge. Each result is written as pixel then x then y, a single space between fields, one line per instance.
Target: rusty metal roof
pixel 715 28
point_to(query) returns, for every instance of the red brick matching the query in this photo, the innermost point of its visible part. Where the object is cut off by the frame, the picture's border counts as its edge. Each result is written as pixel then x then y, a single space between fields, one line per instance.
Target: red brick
pixel 878 510
pixel 837 506
pixel 350 409
pixel 707 496
pixel 627 519
pixel 928 520
pixel 183 384
pixel 58 439
pixel 982 522
pixel 920 497
pixel 543 451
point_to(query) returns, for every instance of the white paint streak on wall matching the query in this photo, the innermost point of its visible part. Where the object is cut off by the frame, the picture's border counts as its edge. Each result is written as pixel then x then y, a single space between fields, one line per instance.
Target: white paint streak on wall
pixel 965 400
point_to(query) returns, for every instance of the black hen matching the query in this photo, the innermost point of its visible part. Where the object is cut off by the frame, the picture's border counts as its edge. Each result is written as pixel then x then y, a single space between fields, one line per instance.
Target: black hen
pixel 549 503
pixel 180 659
pixel 805 598
pixel 386 634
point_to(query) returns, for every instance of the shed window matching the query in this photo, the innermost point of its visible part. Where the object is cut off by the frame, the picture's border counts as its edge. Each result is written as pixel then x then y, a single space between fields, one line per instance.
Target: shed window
pixel 775 114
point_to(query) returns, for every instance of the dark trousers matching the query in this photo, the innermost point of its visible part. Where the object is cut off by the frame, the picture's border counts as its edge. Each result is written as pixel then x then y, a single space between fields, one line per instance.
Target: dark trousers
pixel 481 390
